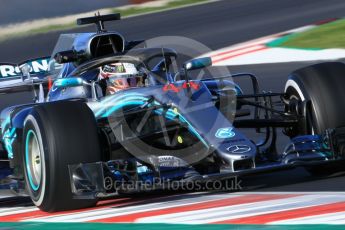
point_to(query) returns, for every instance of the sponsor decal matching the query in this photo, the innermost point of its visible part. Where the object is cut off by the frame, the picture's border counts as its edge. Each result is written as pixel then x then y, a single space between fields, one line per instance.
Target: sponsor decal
pixel 179 139
pixel 170 161
pixel 225 132
pixel 7 70
pixel 36 66
pixel 239 149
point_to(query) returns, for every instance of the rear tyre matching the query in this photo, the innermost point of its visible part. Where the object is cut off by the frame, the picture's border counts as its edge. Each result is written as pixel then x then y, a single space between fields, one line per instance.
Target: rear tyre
pixel 323 86
pixel 56 135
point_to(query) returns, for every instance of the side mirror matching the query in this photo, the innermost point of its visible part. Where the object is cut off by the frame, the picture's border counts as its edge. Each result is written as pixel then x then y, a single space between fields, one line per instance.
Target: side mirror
pixel 66 57
pixel 197 63
pixel 68 82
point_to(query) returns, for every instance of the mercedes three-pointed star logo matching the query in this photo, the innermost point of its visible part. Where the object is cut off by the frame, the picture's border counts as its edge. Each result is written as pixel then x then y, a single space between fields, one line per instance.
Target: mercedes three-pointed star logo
pixel 239 148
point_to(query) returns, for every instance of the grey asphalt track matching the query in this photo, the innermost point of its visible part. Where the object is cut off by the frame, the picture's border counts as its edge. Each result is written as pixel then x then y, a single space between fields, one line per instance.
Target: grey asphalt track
pixel 218 25
pixel 14 11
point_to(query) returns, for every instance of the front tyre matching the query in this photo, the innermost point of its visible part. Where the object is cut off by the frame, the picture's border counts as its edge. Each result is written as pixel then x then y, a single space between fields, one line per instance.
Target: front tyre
pixel 322 86
pixel 56 135
pixel 34 161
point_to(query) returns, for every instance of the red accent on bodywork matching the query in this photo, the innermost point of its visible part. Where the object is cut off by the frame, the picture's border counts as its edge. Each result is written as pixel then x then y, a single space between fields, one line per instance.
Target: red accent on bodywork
pixel 191 84
pixel 50 83
pixel 171 87
pixel 185 85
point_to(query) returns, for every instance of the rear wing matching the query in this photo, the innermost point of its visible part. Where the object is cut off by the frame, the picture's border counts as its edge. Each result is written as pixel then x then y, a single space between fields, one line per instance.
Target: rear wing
pixel 9 72
pixel 40 67
pixel 15 88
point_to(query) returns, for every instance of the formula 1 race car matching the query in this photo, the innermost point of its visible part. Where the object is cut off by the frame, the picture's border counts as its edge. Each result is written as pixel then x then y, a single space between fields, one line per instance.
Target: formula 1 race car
pixel 116 115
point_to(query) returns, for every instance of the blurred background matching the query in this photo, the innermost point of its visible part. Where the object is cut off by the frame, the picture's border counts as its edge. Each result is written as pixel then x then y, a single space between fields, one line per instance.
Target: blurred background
pixel 14 11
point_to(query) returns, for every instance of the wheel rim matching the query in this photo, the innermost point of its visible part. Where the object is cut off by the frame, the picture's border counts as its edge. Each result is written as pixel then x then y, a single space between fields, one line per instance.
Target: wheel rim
pixel 33 160
pixel 297 94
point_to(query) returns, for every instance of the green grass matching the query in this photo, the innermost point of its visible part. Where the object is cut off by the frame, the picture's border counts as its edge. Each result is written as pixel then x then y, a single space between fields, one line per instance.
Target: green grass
pixel 42 30
pixel 139 10
pixel 124 13
pixel 330 35
pixel 46 29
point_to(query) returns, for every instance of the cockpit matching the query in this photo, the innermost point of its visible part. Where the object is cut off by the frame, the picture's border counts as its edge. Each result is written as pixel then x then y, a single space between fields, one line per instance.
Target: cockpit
pixel 107 75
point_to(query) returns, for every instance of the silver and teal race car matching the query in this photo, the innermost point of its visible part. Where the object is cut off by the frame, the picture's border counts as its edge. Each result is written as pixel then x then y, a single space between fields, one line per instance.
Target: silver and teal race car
pixel 87 136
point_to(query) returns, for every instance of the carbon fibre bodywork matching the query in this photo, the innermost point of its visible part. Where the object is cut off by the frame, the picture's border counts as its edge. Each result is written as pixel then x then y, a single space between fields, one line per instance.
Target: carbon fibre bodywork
pixel 169 129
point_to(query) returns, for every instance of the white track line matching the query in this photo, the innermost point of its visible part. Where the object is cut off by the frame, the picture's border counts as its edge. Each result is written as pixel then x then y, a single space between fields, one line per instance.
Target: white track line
pixel 331 218
pixel 244 210
pixel 119 211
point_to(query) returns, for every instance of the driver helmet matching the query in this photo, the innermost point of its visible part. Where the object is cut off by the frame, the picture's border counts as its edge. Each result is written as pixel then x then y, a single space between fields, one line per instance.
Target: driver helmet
pixel 120 76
